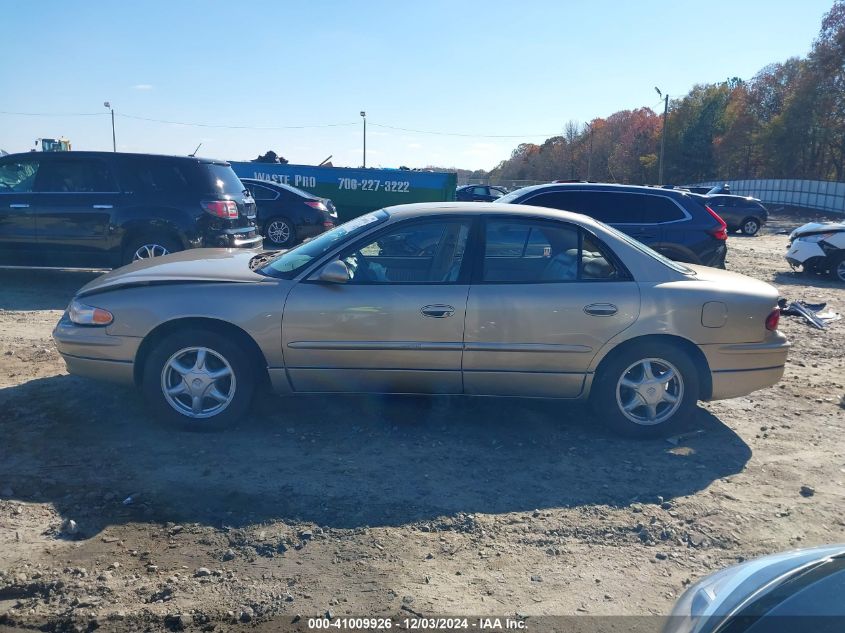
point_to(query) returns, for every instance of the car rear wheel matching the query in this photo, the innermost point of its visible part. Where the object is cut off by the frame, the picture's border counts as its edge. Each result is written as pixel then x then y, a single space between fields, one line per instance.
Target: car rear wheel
pixel 750 226
pixel 280 232
pixel 149 246
pixel 645 391
pixel 837 267
pixel 198 380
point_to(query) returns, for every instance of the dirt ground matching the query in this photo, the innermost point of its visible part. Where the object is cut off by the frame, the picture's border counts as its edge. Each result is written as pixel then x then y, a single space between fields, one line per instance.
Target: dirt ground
pixel 391 506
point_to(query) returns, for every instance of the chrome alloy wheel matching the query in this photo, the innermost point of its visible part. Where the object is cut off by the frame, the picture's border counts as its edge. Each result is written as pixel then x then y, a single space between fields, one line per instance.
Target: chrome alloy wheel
pixel 840 270
pixel 198 382
pixel 650 391
pixel 149 250
pixel 278 231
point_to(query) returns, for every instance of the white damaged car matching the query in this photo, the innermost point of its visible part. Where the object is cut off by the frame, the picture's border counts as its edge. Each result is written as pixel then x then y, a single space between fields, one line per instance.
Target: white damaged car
pixel 819 247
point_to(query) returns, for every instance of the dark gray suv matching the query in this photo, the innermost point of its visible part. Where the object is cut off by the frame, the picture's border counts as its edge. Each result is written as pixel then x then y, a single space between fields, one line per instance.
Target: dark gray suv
pixel 675 223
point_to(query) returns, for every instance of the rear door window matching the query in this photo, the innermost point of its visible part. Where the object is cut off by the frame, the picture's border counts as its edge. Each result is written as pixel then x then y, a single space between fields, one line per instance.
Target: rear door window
pixel 262 193
pixel 161 177
pixel 528 251
pixel 78 175
pixel 606 206
pixel 18 176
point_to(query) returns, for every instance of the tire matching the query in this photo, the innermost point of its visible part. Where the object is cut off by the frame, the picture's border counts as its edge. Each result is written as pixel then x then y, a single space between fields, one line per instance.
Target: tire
pixel 750 226
pixel 280 232
pixel 609 394
pixel 149 246
pixel 225 368
pixel 837 267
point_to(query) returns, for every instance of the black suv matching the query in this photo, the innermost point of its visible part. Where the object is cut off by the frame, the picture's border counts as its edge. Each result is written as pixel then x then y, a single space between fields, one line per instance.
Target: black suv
pixel 674 223
pixel 106 209
pixel 740 213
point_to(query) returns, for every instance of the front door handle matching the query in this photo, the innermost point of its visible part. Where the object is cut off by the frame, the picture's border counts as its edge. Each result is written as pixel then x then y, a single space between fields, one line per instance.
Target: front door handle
pixel 438 311
pixel 19 206
pixel 601 309
pixel 102 206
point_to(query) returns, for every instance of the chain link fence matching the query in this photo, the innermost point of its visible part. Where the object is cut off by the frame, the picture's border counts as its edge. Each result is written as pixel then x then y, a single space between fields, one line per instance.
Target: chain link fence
pixel 820 195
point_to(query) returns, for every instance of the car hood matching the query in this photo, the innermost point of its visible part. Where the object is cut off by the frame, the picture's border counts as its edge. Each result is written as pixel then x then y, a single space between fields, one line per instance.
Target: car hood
pixel 728 281
pixel 817 227
pixel 193 265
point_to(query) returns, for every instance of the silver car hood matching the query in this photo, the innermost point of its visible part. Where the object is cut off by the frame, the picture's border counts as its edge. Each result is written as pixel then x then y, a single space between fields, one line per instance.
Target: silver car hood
pixel 817 227
pixel 194 265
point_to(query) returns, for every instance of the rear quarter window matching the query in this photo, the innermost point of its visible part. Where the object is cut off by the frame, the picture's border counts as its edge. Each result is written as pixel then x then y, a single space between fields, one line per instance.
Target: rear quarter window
pixel 659 209
pixel 223 179
pixel 161 177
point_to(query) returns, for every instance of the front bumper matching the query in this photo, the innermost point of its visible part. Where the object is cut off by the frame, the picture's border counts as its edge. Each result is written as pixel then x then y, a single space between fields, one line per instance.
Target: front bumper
pixel 740 368
pixel 91 352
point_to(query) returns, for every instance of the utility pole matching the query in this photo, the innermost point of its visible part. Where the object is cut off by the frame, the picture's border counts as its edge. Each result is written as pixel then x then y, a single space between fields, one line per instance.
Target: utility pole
pixel 113 139
pixel 364 116
pixel 662 135
pixel 590 155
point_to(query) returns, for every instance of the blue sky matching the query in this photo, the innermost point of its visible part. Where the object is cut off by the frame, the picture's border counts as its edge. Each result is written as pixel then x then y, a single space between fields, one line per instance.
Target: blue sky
pixel 475 68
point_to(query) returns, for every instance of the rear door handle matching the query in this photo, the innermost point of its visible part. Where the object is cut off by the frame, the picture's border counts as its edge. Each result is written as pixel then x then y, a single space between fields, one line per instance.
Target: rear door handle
pixel 19 206
pixel 102 206
pixel 438 311
pixel 601 309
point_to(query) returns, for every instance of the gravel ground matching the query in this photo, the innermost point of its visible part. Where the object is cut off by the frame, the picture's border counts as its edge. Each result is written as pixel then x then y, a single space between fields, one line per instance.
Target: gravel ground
pixel 396 506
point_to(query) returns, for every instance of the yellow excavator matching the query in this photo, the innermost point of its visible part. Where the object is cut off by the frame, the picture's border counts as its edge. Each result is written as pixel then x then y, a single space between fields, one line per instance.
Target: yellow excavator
pixel 53 144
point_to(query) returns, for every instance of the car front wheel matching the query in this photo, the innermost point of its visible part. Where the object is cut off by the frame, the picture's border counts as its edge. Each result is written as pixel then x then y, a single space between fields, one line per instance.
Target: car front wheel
pixel 198 380
pixel 646 390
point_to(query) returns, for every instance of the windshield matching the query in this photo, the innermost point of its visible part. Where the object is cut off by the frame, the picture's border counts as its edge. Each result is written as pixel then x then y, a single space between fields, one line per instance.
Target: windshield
pixel 676 266
pixel 517 193
pixel 289 263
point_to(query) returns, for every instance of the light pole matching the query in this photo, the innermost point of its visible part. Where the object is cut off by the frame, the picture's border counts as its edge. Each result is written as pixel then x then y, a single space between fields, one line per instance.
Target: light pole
pixel 662 135
pixel 364 116
pixel 113 140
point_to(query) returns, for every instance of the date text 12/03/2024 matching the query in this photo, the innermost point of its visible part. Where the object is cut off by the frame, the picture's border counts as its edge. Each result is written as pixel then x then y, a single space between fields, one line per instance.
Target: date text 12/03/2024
pixel 421 623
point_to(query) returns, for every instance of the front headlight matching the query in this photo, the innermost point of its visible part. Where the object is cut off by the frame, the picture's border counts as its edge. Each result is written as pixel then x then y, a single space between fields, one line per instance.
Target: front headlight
pixel 698 603
pixel 83 314
pixel 816 237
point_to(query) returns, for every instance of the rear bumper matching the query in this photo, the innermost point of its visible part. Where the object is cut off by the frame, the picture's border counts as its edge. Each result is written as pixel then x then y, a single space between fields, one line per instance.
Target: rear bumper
pixel 247 237
pixel 716 258
pixel 739 369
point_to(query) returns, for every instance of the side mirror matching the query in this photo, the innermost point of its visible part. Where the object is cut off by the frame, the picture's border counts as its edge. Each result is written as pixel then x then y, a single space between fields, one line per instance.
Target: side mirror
pixel 335 272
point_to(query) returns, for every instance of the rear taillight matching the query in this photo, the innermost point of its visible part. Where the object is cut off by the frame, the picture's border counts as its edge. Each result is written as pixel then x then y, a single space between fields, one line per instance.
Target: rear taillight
pixel 226 209
pixel 316 204
pixel 773 319
pixel 721 232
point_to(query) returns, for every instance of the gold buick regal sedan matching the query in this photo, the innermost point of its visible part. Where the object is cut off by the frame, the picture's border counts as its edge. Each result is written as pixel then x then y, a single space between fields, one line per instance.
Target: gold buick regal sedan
pixel 442 298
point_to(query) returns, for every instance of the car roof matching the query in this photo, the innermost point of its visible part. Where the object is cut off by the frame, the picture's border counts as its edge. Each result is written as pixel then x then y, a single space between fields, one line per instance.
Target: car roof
pixel 602 186
pixel 93 154
pixel 418 209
